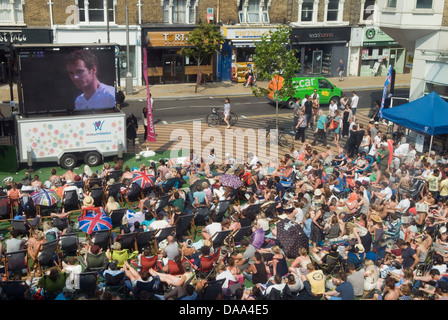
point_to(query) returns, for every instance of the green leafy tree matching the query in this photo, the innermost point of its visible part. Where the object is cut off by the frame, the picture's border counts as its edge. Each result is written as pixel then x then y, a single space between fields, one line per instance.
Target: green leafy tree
pixel 202 42
pixel 275 60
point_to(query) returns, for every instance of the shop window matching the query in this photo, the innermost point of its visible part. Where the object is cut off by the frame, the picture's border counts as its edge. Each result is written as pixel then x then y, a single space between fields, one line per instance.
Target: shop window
pixel 179 11
pixel 307 11
pixel 423 4
pixel 95 10
pixel 368 11
pixel 391 4
pixel 332 10
pixel 440 89
pixel 253 11
pixel 11 11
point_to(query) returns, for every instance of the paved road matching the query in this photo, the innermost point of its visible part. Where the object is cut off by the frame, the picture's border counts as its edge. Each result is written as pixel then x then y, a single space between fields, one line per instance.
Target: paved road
pixel 186 110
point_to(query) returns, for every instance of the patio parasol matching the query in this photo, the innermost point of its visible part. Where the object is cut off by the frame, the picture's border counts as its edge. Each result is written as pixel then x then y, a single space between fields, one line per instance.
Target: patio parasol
pixel 93 221
pixel 143 180
pixel 229 180
pixel 45 197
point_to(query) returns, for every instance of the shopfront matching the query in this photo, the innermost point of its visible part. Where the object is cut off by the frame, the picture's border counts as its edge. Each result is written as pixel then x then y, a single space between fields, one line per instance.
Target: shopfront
pixel 19 36
pixel 165 63
pixel 239 50
pixel 379 51
pixel 320 49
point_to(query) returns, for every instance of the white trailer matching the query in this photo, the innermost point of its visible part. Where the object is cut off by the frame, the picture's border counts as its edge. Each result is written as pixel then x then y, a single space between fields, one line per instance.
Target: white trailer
pixel 68 139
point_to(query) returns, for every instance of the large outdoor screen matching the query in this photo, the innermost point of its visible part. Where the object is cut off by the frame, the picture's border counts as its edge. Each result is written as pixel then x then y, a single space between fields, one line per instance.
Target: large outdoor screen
pixel 67 78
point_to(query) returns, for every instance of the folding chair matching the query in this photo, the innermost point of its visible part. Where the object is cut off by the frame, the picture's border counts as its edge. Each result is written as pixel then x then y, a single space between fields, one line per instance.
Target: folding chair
pixel 98 196
pixel 45 211
pixel 48 257
pixel 238 235
pixel 114 174
pixel 134 195
pixel 113 190
pixel 70 200
pixel 201 215
pixel 15 290
pixel 88 284
pixel 69 244
pixel 270 210
pixel 145 239
pixel 220 211
pixel 163 234
pixel 116 283
pixel 16 261
pixel 168 185
pixel 92 182
pixel 212 290
pixel 219 238
pixel 127 240
pixel 5 209
pixel 100 238
pixel 148 263
pixel 184 226
pixel 117 216
pixel 20 225
pixel 206 267
pixel 252 211
pixel 162 203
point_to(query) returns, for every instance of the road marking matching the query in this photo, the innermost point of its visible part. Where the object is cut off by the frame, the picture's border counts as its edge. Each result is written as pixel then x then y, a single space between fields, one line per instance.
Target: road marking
pixel 164 122
pixel 182 121
pixel 243 116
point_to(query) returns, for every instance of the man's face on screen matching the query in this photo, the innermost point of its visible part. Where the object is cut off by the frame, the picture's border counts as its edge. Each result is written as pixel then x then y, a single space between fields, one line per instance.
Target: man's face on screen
pixel 81 76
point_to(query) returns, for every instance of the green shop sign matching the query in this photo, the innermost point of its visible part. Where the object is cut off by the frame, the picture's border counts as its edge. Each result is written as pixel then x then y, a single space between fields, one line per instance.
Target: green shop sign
pixel 376 37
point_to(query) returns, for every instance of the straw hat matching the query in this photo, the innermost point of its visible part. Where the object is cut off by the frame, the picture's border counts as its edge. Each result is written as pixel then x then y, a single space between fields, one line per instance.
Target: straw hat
pixel 318 192
pixel 88 201
pixel 360 248
pixel 376 218
pixel 111 181
pixel 230 171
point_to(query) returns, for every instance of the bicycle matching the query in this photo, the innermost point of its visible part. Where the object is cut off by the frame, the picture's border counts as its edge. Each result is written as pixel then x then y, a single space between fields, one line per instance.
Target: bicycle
pixel 216 117
pixel 284 138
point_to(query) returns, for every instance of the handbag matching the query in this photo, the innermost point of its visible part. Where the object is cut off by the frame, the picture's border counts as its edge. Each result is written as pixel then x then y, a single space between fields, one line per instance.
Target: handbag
pixel 333 124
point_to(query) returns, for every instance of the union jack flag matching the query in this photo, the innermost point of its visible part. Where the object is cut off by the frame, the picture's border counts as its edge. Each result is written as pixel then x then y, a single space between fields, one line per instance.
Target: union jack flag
pixel 143 179
pixel 93 221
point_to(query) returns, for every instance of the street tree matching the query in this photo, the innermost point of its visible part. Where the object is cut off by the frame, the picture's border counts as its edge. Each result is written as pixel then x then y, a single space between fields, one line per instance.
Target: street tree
pixel 202 42
pixel 276 61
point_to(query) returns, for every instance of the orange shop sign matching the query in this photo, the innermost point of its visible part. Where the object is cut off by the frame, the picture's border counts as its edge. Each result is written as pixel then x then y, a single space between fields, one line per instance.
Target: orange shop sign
pixel 167 39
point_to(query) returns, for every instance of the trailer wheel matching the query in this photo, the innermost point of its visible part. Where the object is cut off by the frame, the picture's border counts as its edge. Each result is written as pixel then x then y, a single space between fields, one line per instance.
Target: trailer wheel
pixel 92 158
pixel 68 161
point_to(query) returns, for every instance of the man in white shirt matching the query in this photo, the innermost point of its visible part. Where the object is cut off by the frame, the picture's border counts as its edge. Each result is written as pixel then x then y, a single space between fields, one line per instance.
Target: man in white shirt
pixel 251 160
pixel 354 104
pixel 82 67
pixel 384 194
pixel 332 108
pixel 210 230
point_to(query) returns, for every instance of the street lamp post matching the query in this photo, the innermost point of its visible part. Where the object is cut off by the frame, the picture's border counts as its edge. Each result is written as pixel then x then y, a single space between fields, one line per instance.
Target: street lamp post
pixel 129 88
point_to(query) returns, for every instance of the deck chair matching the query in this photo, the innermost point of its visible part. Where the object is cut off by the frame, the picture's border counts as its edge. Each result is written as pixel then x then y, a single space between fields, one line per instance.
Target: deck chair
pixel 113 191
pixel 88 284
pixel 201 215
pixel 237 236
pixel 48 257
pixel 162 235
pixel 69 244
pixel 168 185
pixel 100 238
pixel 15 290
pixel 212 290
pixel 20 225
pixel 134 195
pixel 116 283
pixel 45 211
pixel 252 211
pixel 70 200
pixel 145 239
pixel 162 203
pixel 117 217
pixel 92 182
pixel 127 240
pixel 148 263
pixel 98 196
pixel 206 267
pixel 16 262
pixel 220 211
pixel 219 238
pixel 5 209
pixel 184 226
pixel 270 210
pixel 114 174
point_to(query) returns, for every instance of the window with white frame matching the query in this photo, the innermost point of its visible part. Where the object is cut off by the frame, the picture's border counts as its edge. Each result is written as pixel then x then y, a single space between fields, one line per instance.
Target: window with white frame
pixel 96 11
pixel 391 4
pixel 253 11
pixel 179 11
pixel 333 10
pixel 367 11
pixel 11 11
pixel 423 4
pixel 307 10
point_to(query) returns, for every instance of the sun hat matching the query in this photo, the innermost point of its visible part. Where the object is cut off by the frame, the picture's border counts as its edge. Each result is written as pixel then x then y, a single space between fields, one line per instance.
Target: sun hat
pixel 318 192
pixel 376 218
pixel 230 171
pixel 111 181
pixel 88 201
pixel 360 247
